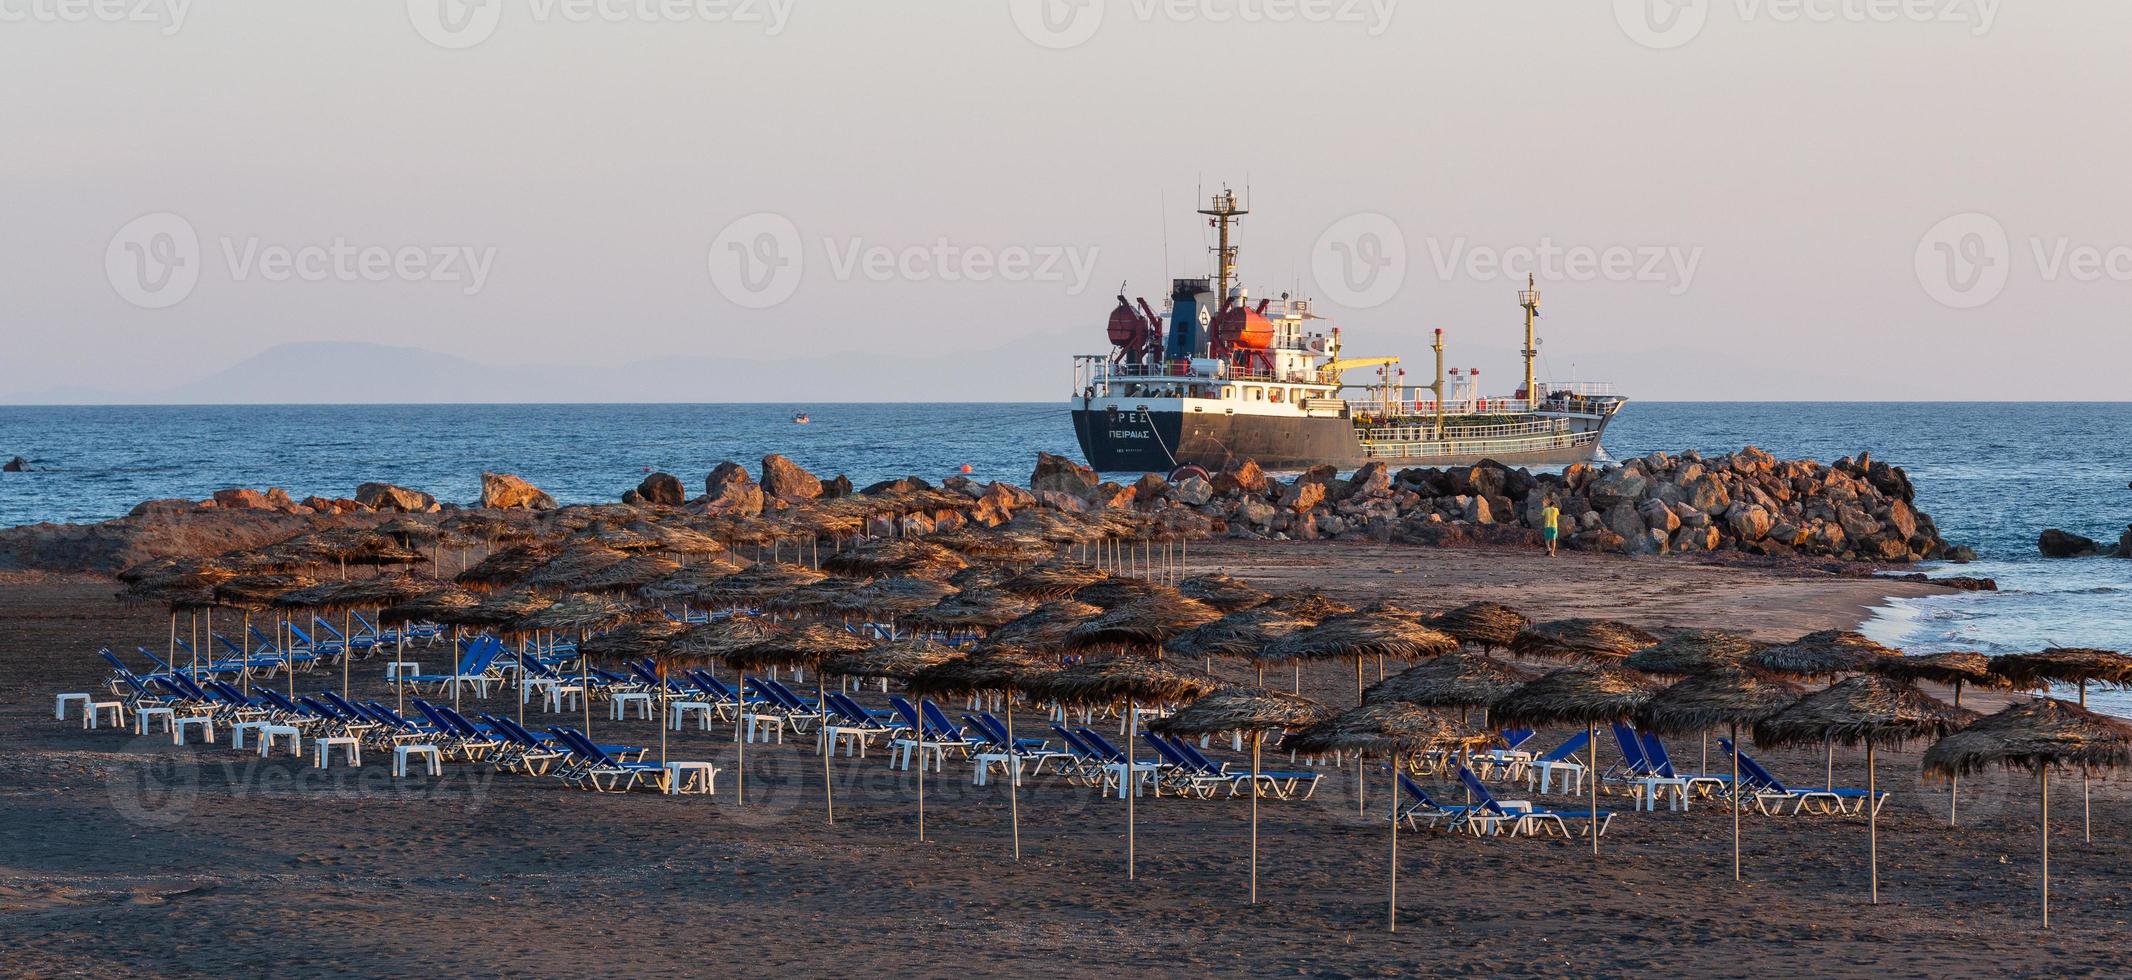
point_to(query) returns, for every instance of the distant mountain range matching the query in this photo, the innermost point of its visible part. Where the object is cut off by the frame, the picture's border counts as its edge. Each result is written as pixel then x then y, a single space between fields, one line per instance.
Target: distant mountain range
pixel 317 373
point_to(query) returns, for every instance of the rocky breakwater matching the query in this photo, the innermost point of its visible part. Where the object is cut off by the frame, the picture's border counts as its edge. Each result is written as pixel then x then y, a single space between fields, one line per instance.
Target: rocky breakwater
pixel 1855 510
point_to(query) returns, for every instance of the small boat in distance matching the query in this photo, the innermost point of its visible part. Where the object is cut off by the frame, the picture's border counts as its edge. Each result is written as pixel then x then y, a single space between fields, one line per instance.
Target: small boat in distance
pixel 800 418
pixel 1217 378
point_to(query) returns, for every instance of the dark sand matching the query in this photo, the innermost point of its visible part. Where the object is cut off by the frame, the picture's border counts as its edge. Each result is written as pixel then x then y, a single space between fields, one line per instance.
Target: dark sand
pixel 124 856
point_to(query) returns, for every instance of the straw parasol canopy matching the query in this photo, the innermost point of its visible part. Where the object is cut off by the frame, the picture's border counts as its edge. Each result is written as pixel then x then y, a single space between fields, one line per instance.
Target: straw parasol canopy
pixel 1693 652
pixel 900 660
pixel 1574 696
pixel 1313 606
pixel 1954 669
pixel 755 584
pixel 814 597
pixel 581 612
pixel 1223 592
pixel 603 534
pixel 1482 624
pixel 2070 665
pixel 349 546
pixel 1708 700
pixel 408 531
pixel 505 610
pixel 710 642
pixel 1357 635
pixel 1385 728
pixel 895 597
pixel 1053 580
pixel 1123 590
pixel 1123 679
pixel 643 638
pixel 256 591
pixel 1146 623
pixel 682 584
pixel 432 606
pixel 507 567
pixel 1242 634
pixel 1827 653
pixel 1044 627
pixel 577 562
pixel 897 556
pixel 628 575
pixel 806 646
pixel 1454 680
pixel 368 593
pixel 981 577
pixel 1867 707
pixel 975 608
pixel 1592 639
pixel 995 671
pixel 2032 734
pixel 1242 709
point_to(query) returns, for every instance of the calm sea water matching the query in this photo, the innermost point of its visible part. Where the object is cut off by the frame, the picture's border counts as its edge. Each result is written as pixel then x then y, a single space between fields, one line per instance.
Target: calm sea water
pixel 1993 475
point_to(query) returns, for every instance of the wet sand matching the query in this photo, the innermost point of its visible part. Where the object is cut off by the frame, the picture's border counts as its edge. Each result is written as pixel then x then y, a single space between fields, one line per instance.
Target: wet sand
pixel 124 856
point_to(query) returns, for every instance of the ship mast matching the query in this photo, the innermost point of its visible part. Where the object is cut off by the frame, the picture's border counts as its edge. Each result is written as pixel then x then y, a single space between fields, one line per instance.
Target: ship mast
pixel 1225 213
pixel 1438 387
pixel 1529 298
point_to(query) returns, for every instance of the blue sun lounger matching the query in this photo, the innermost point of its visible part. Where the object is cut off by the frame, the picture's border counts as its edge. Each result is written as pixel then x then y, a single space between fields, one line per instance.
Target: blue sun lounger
pixel 1527 822
pixel 1419 806
pixel 1767 790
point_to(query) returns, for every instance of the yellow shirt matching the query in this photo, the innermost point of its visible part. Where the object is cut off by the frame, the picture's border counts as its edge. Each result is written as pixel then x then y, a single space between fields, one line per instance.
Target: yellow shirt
pixel 1553 516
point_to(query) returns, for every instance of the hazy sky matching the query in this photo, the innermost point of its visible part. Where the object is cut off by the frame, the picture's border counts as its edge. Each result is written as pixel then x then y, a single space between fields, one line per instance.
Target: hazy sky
pixel 1751 198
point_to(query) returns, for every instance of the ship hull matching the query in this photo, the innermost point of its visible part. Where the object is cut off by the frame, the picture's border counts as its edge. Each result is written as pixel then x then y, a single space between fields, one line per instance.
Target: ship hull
pixel 1158 442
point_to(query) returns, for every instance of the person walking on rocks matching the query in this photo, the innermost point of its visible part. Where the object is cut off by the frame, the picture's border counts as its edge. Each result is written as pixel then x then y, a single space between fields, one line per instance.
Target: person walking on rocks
pixel 1551 524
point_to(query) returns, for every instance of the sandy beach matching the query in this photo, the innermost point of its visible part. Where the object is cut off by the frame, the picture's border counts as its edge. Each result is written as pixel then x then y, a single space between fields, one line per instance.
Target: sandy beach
pixel 126 856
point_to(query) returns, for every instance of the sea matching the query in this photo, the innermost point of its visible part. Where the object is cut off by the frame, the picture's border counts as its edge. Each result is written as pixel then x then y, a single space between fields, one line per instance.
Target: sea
pixel 1993 475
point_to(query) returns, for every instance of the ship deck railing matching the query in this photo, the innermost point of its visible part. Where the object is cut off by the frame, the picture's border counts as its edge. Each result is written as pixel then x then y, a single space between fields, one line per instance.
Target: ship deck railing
pixel 1427 440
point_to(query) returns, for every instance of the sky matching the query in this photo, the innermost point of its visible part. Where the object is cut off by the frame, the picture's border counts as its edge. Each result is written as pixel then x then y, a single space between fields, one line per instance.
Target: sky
pixel 1728 199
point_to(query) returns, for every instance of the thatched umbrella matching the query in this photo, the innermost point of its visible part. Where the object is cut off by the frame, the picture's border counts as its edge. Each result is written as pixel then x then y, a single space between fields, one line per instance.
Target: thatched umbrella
pixel 1724 697
pixel 893 598
pixel 1692 652
pixel 645 638
pixel 896 556
pixel 1824 655
pixel 1305 604
pixel 1356 636
pixel 1581 639
pixel 899 660
pixel 1120 590
pixel 577 562
pixel 1486 625
pixel 755 584
pixel 1223 592
pixel 507 567
pixel 1043 628
pixel 633 572
pixel 682 584
pixel 2070 665
pixel 2036 735
pixel 348 546
pixel 347 596
pixel 1399 731
pixel 1242 635
pixel 1053 580
pixel 178 583
pixel 1142 625
pixel 1588 696
pixel 1870 709
pixel 1954 669
pixel 1001 671
pixel 1245 709
pixel 975 609
pixel 1133 681
pixel 251 593
pixel 813 598
pixel 583 614
pixel 807 646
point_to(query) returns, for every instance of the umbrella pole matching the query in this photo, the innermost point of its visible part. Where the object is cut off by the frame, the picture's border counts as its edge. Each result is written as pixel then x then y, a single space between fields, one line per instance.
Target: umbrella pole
pixel 1829 781
pixel 1131 789
pixel 1954 800
pixel 740 748
pixel 1256 739
pixel 1737 801
pixel 244 637
pixel 348 652
pixel 1014 784
pixel 1591 733
pixel 1392 904
pixel 920 750
pixel 2043 778
pixel 521 644
pixel 829 748
pixel 2087 828
pixel 584 680
pixel 1872 824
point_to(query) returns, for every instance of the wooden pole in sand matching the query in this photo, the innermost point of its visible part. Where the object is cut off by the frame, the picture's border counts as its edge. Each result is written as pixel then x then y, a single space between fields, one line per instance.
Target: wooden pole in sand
pixel 2043 779
pixel 1257 738
pixel 1738 800
pixel 2087 826
pixel 1591 733
pixel 829 748
pixel 1872 823
pixel 1130 786
pixel 1392 906
pixel 919 748
pixel 1014 785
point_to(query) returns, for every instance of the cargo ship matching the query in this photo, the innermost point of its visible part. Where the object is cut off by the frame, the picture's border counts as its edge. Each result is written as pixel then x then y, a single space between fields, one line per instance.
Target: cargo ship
pixel 1218 378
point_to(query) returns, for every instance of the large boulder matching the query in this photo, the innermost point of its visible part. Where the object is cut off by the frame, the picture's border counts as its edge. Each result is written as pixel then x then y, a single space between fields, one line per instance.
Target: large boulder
pixel 2061 544
pixel 1240 477
pixel 241 498
pixel 1617 487
pixel 1706 493
pixel 1749 522
pixel 662 489
pixel 1305 494
pixel 901 484
pixel 2124 545
pixel 1151 488
pixel 787 480
pixel 504 491
pixel 1061 475
pixel 1374 479
pixel 1193 492
pixel 385 496
pixel 1657 516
